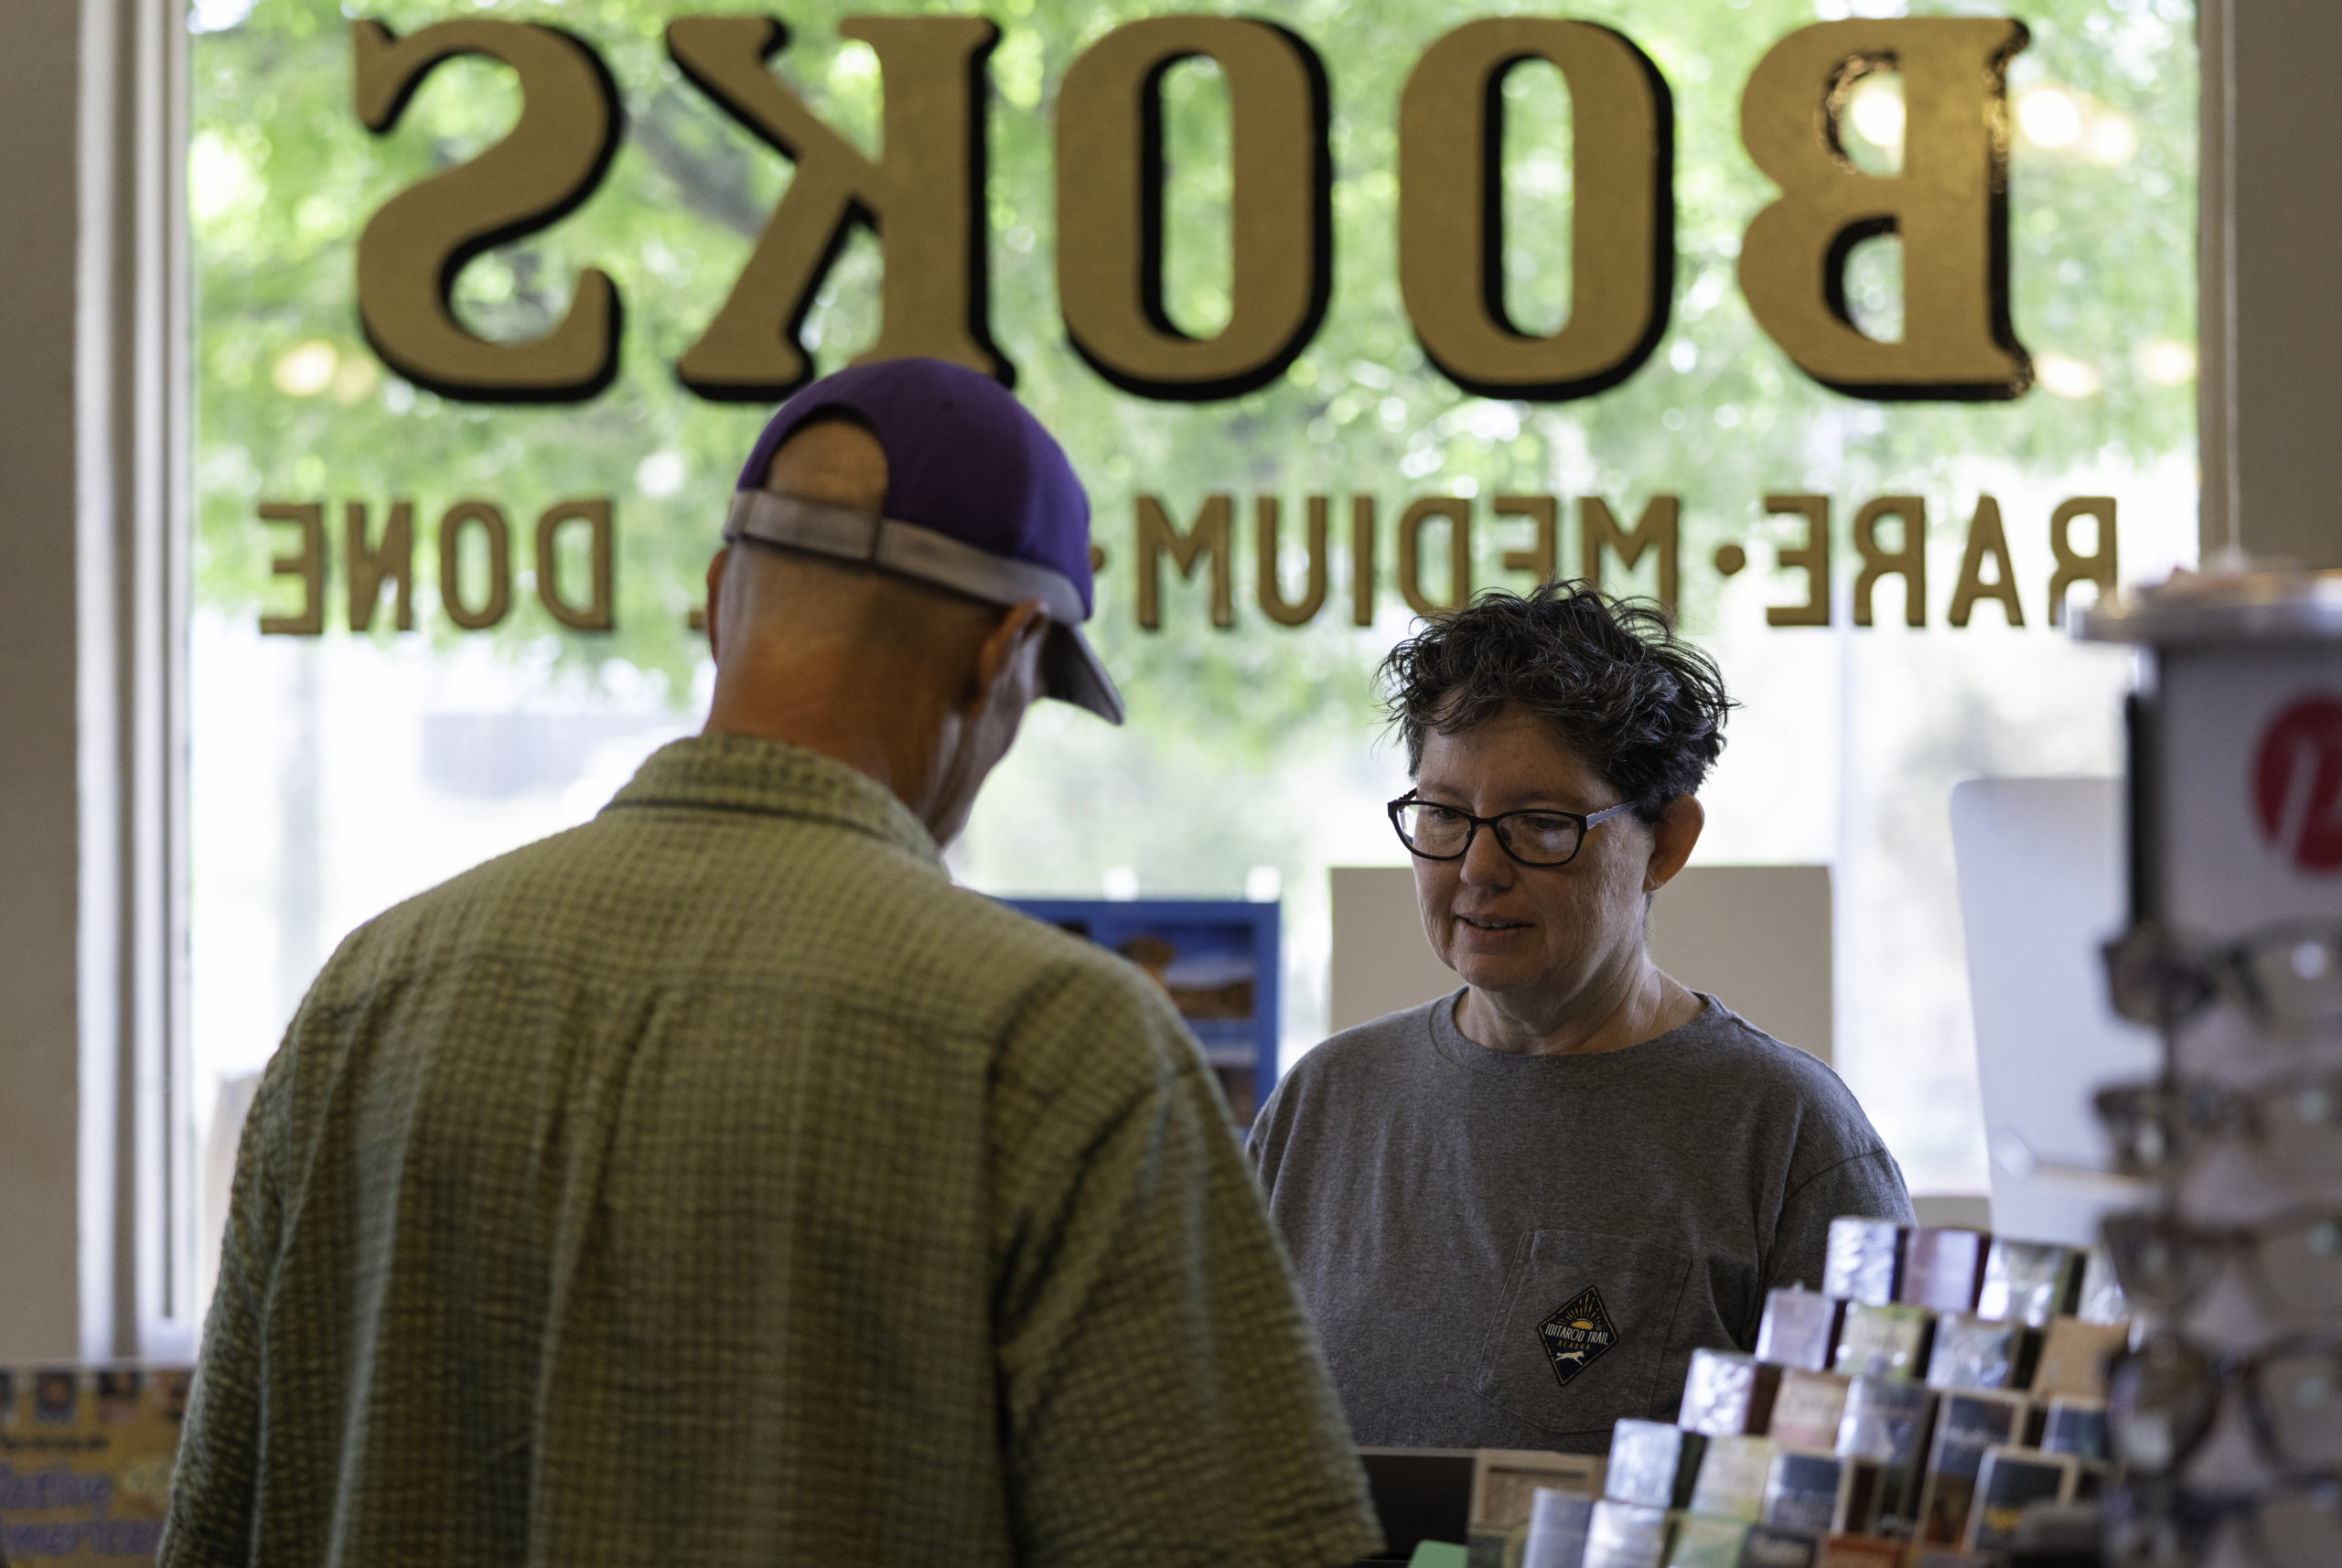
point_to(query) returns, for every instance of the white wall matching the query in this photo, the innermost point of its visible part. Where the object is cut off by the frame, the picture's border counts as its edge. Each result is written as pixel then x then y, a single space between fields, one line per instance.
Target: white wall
pixel 1755 937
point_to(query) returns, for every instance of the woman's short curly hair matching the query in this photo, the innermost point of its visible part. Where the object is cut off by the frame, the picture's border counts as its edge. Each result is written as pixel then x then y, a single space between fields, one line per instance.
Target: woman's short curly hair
pixel 1644 707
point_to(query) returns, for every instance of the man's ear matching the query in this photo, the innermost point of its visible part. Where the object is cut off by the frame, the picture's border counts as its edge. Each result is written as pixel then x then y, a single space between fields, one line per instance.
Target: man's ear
pixel 1012 647
pixel 714 594
pixel 1673 841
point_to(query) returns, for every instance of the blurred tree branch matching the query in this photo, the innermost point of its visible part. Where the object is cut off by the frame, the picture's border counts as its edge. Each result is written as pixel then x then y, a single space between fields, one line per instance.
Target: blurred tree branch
pixel 713 180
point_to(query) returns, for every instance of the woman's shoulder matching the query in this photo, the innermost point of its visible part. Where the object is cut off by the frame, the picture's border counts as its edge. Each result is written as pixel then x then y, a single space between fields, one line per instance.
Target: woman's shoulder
pixel 1377 1046
pixel 1364 1070
pixel 1731 1055
pixel 1733 1050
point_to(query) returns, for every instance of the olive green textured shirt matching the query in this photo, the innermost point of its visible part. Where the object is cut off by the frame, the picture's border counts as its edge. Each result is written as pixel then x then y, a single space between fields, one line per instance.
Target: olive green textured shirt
pixel 716 1183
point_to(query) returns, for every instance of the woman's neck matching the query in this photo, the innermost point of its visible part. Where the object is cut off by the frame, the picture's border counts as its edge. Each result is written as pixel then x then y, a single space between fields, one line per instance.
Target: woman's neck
pixel 1640 1004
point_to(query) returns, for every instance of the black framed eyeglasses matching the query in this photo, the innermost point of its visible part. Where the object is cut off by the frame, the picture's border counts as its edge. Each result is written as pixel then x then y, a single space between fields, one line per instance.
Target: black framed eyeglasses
pixel 1533 837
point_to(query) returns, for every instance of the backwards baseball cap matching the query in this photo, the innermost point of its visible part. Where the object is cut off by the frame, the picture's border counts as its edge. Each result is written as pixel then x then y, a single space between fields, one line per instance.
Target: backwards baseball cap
pixel 980 500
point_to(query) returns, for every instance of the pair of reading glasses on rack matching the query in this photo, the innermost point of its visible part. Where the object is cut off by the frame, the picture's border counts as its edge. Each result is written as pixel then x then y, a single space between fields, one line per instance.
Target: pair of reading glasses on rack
pixel 1533 837
pixel 2164 1399
pixel 2288 975
pixel 2291 1261
pixel 2290 1128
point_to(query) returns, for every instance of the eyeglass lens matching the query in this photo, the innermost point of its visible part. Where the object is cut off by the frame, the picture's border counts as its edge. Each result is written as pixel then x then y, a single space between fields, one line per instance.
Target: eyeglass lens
pixel 2299 1526
pixel 2284 974
pixel 2294 976
pixel 2298 1400
pixel 2301 1529
pixel 2296 1265
pixel 2301 1265
pixel 1537 837
pixel 2164 1398
pixel 2301 1131
pixel 2156 1266
pixel 2159 1403
pixel 2291 1131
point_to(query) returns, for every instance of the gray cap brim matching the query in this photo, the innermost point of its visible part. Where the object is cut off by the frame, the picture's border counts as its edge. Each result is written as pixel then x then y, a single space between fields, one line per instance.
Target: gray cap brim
pixel 1071 672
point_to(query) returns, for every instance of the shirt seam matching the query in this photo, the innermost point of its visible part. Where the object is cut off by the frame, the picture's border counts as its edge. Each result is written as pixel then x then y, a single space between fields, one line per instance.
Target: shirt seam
pixel 1870 1154
pixel 792 810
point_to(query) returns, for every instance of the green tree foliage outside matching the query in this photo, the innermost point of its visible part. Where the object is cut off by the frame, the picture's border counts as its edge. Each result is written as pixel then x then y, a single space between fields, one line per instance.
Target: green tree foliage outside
pixel 1239 738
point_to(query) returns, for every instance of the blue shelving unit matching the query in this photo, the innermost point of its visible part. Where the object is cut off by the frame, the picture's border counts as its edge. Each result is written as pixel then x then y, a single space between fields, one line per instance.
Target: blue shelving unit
pixel 1219 960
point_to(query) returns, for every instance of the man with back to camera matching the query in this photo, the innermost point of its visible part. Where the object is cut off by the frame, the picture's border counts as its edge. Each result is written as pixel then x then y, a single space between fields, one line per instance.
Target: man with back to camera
pixel 716 1183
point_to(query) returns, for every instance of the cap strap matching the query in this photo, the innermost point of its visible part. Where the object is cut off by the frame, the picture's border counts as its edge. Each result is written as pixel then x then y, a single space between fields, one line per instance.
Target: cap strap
pixel 905 549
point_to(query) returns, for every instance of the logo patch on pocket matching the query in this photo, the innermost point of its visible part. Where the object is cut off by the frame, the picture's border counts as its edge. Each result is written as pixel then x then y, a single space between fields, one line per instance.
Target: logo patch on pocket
pixel 1577 1334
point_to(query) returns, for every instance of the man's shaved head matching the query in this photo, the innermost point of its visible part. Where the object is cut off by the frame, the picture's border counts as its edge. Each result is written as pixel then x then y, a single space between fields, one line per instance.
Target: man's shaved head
pixel 831 457
pixel 788 594
pixel 919 686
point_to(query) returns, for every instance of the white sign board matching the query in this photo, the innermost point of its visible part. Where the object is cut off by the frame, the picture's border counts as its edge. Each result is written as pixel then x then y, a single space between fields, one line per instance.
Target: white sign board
pixel 1755 937
pixel 2040 890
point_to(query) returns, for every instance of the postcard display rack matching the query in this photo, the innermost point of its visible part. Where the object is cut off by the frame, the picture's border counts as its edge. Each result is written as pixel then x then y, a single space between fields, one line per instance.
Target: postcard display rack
pixel 1904 1416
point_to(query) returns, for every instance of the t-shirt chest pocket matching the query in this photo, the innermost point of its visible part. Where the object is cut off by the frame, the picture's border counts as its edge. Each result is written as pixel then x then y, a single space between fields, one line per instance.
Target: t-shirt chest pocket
pixel 1582 1335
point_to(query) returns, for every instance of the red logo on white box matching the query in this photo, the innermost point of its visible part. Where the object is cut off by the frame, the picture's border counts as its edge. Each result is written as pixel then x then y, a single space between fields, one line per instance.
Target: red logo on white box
pixel 2297 783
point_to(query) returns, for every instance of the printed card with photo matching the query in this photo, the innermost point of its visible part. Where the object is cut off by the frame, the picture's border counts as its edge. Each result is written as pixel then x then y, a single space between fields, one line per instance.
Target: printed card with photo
pixel 85 1468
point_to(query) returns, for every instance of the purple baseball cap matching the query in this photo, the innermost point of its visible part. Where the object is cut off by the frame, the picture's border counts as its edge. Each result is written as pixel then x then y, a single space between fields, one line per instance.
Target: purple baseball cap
pixel 980 500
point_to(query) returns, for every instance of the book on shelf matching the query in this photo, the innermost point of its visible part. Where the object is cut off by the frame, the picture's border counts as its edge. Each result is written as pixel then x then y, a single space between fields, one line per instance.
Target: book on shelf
pixel 2075 1427
pixel 1967 1423
pixel 1889 1341
pixel 1861 1551
pixel 1726 1394
pixel 1769 1546
pixel 1505 1482
pixel 1975 1352
pixel 1808 1409
pixel 1862 1260
pixel 1890 1422
pixel 1653 1463
pixel 1799 1329
pixel 1702 1542
pixel 1733 1474
pixel 1943 1268
pixel 1860 1499
pixel 2009 1481
pixel 2030 1281
pixel 2074 1355
pixel 1803 1492
pixel 1625 1535
pixel 1558 1523
pixel 2101 1300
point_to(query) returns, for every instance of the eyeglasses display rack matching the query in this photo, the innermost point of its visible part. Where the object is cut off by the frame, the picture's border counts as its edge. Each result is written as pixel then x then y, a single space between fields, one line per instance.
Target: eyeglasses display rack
pixel 2225 1416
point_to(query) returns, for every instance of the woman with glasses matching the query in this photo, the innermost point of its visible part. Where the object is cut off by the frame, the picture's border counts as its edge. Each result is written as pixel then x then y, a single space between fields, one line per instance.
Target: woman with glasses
pixel 1517 1210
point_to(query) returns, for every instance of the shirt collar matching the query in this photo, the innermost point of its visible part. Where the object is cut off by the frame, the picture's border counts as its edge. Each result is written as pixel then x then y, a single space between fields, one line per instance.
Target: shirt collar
pixel 746 773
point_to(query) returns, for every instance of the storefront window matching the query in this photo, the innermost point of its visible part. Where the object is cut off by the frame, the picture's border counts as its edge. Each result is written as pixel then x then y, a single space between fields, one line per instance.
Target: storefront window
pixel 375 709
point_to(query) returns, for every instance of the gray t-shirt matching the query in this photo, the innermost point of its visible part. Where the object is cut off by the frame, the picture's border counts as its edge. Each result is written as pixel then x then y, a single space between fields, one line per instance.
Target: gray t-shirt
pixel 1513 1252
